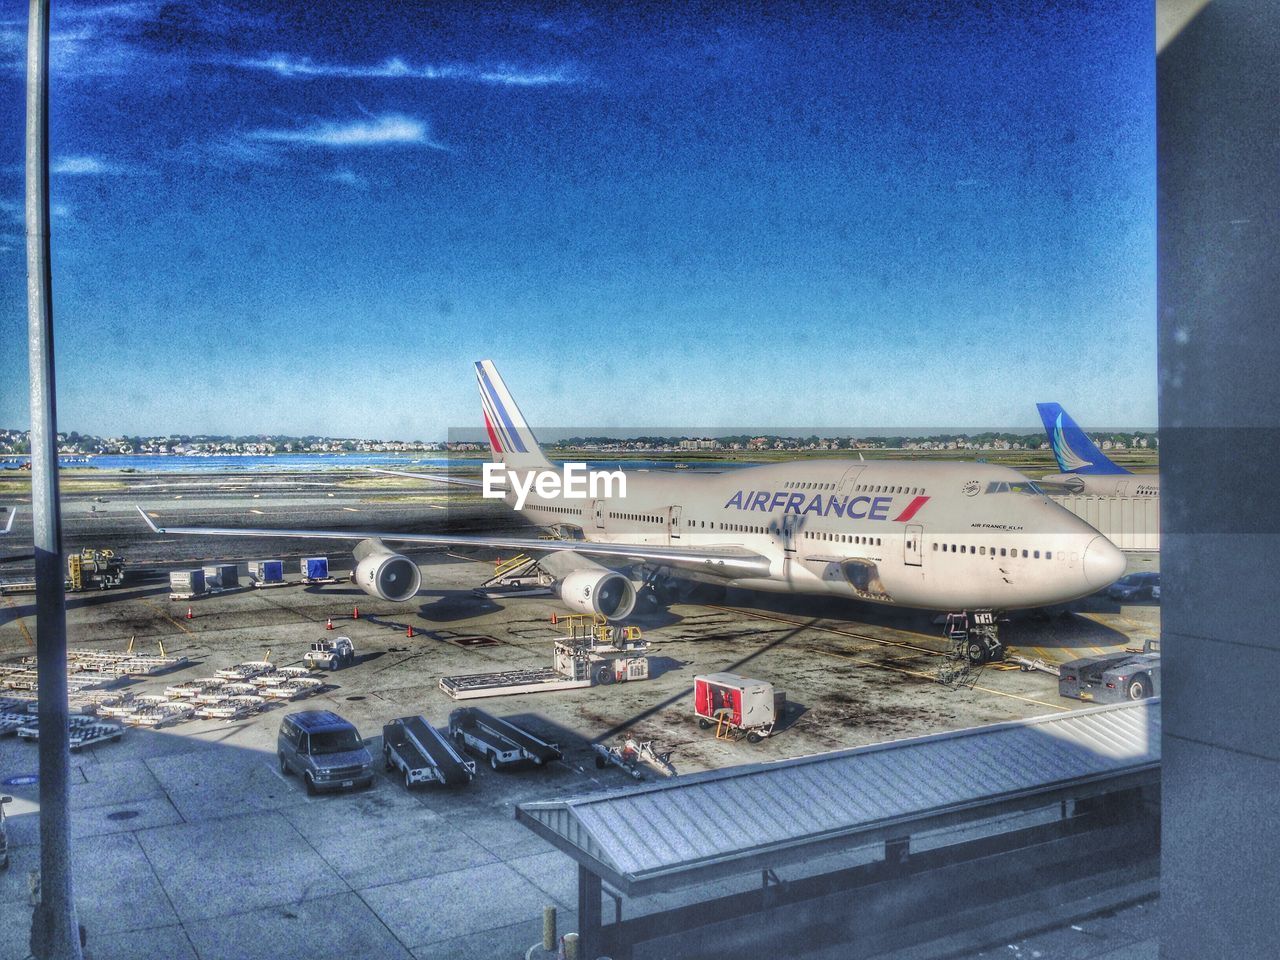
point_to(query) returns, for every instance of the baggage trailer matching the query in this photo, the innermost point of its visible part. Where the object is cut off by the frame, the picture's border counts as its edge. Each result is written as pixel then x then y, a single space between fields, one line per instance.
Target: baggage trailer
pixel 501 742
pixel 267 573
pixel 84 731
pixel 737 706
pixel 222 576
pixel 315 570
pixel 187 584
pixel 505 683
pixel 423 754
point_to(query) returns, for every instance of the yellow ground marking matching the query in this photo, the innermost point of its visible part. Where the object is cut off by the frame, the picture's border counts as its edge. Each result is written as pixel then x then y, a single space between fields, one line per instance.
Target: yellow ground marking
pixel 880 663
pixel 844 633
pixel 22 625
pixel 165 613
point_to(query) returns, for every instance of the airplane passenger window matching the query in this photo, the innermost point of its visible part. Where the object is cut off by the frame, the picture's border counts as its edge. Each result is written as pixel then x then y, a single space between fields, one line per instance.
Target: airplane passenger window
pixel 1048 554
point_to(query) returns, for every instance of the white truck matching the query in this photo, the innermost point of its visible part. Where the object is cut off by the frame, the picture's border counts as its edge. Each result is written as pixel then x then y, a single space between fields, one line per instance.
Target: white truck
pixel 330 654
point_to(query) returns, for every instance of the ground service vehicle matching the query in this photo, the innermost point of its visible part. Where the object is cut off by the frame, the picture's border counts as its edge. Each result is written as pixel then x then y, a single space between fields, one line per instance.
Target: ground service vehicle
pixel 330 654
pixel 1111 678
pixel 737 705
pixel 325 750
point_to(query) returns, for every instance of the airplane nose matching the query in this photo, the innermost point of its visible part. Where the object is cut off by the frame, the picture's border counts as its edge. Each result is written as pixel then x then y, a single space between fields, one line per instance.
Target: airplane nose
pixel 1103 562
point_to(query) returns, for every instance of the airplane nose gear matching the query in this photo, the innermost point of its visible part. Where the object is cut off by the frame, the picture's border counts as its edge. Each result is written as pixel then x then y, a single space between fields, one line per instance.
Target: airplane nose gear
pixel 973 641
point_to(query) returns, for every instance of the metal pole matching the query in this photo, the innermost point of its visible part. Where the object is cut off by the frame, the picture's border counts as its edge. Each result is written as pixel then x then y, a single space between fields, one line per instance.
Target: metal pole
pixel 55 932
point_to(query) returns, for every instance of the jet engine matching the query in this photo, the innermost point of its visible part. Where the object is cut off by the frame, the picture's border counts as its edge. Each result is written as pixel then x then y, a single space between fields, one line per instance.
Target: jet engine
pixel 383 574
pixel 598 591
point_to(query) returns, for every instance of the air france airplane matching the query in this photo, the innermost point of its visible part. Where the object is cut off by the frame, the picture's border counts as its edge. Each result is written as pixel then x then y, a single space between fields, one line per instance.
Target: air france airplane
pixel 955 537
pixel 1085 468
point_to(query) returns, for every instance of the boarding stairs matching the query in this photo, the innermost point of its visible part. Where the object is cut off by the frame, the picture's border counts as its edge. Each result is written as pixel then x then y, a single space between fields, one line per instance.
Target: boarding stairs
pixel 519 574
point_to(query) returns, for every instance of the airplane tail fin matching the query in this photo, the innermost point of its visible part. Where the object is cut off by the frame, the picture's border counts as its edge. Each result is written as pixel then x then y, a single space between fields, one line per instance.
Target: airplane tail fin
pixel 1075 452
pixel 510 438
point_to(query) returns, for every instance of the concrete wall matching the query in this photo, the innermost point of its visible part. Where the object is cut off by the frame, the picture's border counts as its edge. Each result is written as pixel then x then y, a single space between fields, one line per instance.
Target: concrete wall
pixel 1219 303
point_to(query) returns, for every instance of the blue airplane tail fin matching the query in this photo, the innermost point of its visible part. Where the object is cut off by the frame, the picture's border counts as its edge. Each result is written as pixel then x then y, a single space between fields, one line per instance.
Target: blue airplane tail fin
pixel 1075 452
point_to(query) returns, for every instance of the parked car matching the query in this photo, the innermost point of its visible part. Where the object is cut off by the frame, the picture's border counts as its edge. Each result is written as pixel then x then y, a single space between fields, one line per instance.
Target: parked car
pixel 325 750
pixel 1136 586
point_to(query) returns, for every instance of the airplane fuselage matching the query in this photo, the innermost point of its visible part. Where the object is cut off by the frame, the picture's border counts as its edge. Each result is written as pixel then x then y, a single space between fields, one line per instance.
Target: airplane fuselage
pixel 939 536
pixel 1140 485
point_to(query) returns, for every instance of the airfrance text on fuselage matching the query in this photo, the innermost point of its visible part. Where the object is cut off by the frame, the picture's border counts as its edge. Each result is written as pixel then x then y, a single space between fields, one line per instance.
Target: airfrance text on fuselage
pixel 854 508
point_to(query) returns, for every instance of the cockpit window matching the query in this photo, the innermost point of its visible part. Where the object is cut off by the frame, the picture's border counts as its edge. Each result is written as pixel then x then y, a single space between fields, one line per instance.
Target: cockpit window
pixel 1017 486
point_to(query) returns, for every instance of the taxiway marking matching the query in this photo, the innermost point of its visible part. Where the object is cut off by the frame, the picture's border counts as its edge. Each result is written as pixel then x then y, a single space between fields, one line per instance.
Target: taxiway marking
pixel 164 613
pixel 22 625
pixel 880 663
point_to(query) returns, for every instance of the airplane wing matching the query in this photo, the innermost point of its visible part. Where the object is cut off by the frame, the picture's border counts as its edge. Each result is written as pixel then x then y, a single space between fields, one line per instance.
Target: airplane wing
pixel 437 477
pixel 723 561
pixel 13 512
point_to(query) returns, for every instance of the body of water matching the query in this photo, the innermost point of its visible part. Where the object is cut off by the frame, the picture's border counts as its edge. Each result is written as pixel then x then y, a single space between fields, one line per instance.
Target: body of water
pixel 312 462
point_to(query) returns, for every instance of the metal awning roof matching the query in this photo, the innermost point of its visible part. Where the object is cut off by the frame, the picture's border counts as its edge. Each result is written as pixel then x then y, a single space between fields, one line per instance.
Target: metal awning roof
pixel 692 829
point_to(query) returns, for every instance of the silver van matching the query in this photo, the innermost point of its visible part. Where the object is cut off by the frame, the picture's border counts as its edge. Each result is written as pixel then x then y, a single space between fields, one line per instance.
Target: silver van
pixel 325 750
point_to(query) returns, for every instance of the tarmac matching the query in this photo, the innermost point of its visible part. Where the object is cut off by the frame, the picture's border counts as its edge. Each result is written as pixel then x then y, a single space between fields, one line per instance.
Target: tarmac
pixel 190 843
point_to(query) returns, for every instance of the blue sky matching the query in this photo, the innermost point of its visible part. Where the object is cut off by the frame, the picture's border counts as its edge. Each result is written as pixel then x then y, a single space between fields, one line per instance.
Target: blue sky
pixel 311 218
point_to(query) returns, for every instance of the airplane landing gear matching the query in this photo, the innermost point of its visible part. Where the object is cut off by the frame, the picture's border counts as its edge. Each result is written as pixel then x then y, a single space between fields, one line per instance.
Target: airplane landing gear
pixel 974 640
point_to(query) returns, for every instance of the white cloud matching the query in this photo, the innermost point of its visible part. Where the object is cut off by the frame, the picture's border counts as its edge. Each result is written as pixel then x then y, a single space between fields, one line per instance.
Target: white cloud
pixel 284 65
pixel 90 41
pixel 16 211
pixel 110 11
pixel 85 166
pixel 348 177
pixel 389 129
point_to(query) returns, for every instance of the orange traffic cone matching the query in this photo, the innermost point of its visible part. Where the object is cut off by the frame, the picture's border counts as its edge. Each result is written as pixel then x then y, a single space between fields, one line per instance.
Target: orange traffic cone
pixel 329 624
pixel 355 613
pixel 408 631
pixel 190 615
pixel 553 619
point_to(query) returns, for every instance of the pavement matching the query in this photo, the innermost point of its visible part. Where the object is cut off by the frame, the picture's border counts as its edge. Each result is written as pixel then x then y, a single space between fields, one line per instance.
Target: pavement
pixel 190 843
